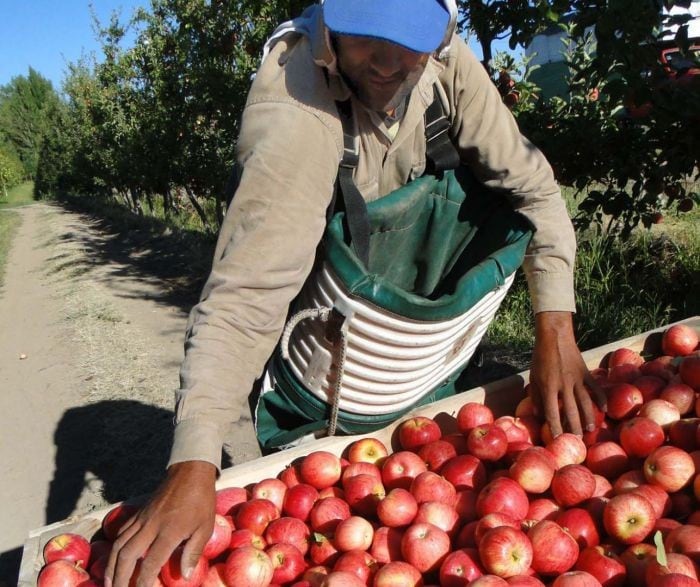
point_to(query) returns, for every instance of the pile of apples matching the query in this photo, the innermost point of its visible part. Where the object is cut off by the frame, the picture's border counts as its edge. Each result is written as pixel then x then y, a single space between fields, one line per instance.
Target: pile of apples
pixel 491 501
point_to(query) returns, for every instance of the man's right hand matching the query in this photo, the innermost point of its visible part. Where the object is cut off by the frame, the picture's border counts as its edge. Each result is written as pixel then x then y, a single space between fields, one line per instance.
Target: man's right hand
pixel 181 510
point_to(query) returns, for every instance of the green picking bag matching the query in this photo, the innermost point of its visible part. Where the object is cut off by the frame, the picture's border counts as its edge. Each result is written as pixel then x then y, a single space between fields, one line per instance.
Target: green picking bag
pixel 437 247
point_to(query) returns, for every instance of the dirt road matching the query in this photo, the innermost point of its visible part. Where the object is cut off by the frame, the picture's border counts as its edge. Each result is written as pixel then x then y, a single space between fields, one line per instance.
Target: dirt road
pixel 91 332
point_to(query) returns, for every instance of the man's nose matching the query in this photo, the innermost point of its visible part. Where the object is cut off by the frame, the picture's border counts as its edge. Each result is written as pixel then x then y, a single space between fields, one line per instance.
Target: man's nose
pixel 387 59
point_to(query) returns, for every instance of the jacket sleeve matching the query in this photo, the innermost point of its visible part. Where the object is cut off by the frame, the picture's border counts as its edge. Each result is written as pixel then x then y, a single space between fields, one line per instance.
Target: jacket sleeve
pixel 490 142
pixel 265 251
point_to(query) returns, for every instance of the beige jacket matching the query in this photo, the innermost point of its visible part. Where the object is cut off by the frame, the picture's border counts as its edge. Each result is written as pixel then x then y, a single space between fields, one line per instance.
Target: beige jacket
pixel 289 149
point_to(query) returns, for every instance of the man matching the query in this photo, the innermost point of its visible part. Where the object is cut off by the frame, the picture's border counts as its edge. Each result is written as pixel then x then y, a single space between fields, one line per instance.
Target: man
pixel 384 57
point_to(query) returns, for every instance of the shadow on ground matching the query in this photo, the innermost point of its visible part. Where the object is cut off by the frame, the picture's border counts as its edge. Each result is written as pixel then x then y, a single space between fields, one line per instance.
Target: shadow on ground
pixel 124 445
pixel 147 249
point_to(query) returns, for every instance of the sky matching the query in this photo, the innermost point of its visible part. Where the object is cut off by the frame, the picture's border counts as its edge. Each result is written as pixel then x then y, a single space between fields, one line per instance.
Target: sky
pixel 49 34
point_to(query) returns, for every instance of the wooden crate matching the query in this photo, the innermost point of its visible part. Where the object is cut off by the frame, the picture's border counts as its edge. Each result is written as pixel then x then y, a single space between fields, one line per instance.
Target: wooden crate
pixel 501 396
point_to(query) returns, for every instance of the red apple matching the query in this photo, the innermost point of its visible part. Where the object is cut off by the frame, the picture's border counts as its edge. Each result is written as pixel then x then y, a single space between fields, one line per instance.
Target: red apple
pixel 489 581
pixel 398 508
pixel 248 567
pixel 505 496
pixel 287 562
pixel 683 433
pixel 69 547
pixel 359 563
pixel 62 573
pixel 636 558
pixel 386 544
pixel 458 441
pixel 675 563
pixel 116 517
pixel 327 513
pixel 629 518
pixel 465 504
pixel 398 573
pixel 524 581
pixel 624 401
pixel 290 475
pixel 246 538
pixel 491 521
pixel 505 552
pixel 220 538
pixel 525 407
pixel 608 459
pixel 603 488
pixel 360 468
pixel 602 562
pixel 320 469
pixel 399 469
pixel 430 486
pixel 170 573
pixel 215 576
pixel 290 531
pixel 640 436
pixel 299 500
pixel 543 509
pixel 270 489
pixel 572 484
pixel 650 386
pixel 363 493
pixel 255 515
pixel 417 431
pixel 487 442
pixel 367 450
pixel 674 580
pixel 438 514
pixel 576 579
pixel 624 374
pixel 662 412
pixel 425 546
pixel 581 525
pixel 661 367
pixel 554 550
pixel 680 395
pixel 515 430
pixel 568 449
pixel 465 472
pixel 679 340
pixel 684 540
pixel 657 497
pixel 460 567
pixel 471 415
pixel 342 579
pixel 437 453
pixel 629 481
pixel 355 533
pixel 322 550
pixel 689 371
pixel 624 356
pixel 670 468
pixel 665 525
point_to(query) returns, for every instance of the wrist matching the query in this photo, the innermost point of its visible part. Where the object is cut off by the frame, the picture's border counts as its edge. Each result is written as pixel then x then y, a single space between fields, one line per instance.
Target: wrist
pixel 549 323
pixel 201 469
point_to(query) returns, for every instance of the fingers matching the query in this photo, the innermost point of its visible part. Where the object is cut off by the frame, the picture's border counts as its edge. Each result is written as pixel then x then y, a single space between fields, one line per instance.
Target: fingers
pixel 158 555
pixel 550 401
pixel 192 551
pixel 596 392
pixel 571 412
pixel 586 407
pixel 125 534
pixel 128 549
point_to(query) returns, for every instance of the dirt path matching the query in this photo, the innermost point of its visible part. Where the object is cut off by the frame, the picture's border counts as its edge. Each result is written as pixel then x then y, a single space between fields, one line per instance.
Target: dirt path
pixel 90 343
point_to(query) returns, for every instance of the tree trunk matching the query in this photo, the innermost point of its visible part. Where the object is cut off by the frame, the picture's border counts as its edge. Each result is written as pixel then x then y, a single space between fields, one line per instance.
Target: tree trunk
pixel 488 54
pixel 149 199
pixel 167 199
pixel 219 210
pixel 197 207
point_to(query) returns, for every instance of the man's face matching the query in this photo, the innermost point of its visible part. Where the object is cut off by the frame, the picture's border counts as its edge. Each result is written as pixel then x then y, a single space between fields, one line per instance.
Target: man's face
pixel 381 74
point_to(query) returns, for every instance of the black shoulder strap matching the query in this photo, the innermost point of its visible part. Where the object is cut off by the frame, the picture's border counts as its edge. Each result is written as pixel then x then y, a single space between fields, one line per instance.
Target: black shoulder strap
pixel 441 155
pixel 440 152
pixel 354 204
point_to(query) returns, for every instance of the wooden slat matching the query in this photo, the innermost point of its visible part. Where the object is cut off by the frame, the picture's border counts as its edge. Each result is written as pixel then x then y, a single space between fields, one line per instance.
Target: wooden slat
pixel 501 396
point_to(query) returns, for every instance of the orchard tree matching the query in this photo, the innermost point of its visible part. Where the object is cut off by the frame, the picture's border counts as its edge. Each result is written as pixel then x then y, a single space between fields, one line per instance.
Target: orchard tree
pixel 11 170
pixel 27 105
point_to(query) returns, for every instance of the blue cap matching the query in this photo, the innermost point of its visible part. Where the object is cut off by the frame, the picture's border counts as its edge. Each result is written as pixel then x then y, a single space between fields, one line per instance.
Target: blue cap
pixel 419 25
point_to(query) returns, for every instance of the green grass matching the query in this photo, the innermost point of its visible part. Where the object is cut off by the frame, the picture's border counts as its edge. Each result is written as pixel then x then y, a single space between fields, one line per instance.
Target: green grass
pixel 622 287
pixel 20 195
pixel 9 222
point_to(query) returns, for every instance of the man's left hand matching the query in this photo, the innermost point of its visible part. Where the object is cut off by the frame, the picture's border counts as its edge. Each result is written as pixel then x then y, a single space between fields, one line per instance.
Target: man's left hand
pixel 559 373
